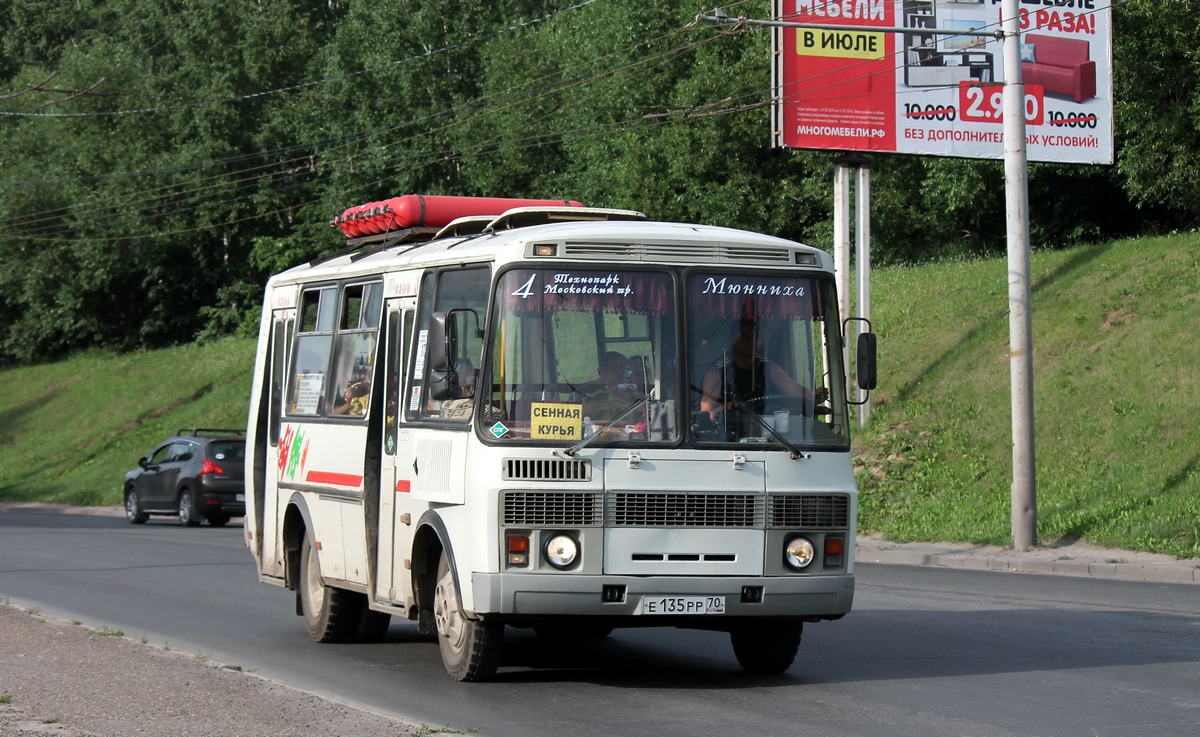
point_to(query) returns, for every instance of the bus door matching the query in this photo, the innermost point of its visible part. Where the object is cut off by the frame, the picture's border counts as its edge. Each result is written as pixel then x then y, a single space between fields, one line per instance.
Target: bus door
pixel 432 434
pixel 395 513
pixel 268 508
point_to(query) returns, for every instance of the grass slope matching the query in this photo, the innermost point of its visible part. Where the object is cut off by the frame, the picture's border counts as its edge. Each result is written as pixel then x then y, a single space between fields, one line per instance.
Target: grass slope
pixel 69 431
pixel 1115 399
pixel 1116 403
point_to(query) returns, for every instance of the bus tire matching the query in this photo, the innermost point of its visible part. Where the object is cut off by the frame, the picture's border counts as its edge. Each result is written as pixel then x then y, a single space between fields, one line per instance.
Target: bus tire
pixel 328 611
pixel 767 647
pixel 470 648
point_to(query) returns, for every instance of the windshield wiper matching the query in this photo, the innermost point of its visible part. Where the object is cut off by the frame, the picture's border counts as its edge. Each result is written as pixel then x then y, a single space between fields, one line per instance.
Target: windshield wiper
pixel 746 409
pixel 587 440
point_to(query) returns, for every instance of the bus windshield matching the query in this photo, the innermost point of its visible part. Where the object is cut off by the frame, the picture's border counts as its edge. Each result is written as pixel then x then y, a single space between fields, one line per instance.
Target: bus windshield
pixel 765 360
pixel 579 353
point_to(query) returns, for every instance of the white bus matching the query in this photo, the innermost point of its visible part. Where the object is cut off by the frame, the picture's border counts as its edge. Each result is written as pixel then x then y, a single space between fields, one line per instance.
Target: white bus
pixel 489 413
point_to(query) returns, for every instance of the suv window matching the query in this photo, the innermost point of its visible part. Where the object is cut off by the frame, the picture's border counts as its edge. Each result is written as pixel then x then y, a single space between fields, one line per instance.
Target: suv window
pixel 160 455
pixel 227 450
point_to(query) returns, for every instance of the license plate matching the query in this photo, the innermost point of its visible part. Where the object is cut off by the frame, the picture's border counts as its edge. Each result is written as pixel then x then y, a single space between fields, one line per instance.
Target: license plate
pixel 241 497
pixel 657 604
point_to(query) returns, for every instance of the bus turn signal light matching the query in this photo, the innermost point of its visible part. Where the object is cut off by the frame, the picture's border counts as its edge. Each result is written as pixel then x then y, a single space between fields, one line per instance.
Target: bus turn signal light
pixel 834 548
pixel 518 550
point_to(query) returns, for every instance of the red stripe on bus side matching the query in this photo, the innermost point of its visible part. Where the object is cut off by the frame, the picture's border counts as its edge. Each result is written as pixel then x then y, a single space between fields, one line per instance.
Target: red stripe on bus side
pixel 338 479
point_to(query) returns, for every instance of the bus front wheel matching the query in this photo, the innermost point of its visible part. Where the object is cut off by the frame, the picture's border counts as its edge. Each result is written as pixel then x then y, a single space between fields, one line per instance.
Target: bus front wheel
pixel 767 647
pixel 470 648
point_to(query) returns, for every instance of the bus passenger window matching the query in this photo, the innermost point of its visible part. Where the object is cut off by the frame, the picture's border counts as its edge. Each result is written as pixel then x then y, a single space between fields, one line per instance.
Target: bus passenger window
pixel 358 328
pixel 311 361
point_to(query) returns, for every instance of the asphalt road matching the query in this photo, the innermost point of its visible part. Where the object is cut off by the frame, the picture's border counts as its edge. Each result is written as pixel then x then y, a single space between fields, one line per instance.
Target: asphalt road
pixel 928 651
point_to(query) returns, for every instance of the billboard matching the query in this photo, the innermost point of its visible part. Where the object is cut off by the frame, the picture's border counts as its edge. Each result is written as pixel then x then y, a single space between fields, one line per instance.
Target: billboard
pixel 926 82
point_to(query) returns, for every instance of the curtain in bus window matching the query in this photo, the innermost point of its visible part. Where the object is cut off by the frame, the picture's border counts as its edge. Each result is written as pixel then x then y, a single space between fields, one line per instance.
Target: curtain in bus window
pixel 584 290
pixel 753 296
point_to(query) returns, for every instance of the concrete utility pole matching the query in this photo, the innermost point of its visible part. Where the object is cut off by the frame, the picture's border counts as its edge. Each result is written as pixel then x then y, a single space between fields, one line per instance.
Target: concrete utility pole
pixel 862 239
pixel 841 249
pixel 862 261
pixel 1020 299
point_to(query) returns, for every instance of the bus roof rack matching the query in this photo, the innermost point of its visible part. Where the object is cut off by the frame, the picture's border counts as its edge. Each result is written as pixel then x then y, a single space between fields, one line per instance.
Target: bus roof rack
pixel 365 245
pixel 465 226
pixel 524 217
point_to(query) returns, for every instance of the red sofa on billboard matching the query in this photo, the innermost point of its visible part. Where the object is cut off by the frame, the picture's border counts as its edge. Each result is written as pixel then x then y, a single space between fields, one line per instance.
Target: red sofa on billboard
pixel 1060 65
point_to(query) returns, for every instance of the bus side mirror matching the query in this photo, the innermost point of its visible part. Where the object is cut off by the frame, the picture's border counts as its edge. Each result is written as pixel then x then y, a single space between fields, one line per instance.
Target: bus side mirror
pixel 865 361
pixel 443 347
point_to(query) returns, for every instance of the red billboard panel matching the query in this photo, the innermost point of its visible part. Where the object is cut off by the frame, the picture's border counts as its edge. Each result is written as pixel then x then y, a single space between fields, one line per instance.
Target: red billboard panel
pixel 929 81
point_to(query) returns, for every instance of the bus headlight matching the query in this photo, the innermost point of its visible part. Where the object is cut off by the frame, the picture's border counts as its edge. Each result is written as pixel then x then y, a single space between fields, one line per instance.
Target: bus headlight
pixel 799 552
pixel 561 551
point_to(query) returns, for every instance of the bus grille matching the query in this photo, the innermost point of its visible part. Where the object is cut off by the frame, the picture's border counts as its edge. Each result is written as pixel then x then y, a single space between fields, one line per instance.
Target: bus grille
pixel 552 509
pixel 809 511
pixel 553 469
pixel 658 509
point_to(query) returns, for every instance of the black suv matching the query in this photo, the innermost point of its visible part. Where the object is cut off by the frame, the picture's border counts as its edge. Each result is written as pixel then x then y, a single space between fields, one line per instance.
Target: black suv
pixel 195 474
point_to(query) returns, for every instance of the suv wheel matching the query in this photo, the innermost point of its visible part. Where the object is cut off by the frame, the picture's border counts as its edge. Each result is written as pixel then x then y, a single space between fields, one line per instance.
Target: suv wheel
pixel 187 509
pixel 133 508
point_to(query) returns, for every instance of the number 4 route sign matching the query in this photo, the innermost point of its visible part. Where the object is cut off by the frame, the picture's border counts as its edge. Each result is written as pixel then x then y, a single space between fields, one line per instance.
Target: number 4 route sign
pixel 926 90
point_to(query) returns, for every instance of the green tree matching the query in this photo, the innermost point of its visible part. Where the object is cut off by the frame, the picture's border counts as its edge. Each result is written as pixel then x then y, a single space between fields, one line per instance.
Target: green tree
pixel 1157 92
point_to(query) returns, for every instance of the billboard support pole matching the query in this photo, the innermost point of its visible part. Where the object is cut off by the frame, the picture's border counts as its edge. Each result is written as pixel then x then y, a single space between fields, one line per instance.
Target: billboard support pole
pixel 841 246
pixel 1020 320
pixel 862 250
pixel 862 261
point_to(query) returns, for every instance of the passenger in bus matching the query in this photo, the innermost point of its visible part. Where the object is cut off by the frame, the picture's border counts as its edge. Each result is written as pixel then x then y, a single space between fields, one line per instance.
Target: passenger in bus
pixel 744 375
pixel 612 390
pixel 354 399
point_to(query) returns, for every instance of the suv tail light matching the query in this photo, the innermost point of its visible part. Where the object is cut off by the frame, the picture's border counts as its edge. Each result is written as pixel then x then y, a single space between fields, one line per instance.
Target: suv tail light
pixel 209 467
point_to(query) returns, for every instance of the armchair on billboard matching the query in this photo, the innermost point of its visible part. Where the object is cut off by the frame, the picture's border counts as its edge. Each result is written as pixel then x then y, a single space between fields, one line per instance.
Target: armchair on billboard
pixel 930 79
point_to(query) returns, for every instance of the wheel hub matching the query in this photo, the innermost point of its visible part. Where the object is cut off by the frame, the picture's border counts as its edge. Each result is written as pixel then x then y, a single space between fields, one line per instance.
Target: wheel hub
pixel 446 615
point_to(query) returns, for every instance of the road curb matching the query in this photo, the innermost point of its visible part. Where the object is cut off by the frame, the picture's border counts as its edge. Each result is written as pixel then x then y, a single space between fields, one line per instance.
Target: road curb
pixel 1070 560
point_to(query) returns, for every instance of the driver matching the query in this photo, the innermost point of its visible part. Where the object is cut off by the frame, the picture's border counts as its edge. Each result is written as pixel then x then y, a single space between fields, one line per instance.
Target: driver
pixel 612 391
pixel 744 375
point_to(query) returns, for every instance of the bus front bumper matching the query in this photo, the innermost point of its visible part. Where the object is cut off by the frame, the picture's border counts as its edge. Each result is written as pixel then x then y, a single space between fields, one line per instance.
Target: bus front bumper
pixel 535 596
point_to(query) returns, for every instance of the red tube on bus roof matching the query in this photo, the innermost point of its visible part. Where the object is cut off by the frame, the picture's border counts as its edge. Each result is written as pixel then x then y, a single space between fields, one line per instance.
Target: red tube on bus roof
pixel 428 211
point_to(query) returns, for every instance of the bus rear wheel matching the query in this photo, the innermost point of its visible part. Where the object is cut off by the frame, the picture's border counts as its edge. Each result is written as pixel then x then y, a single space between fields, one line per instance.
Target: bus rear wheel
pixel 766 647
pixel 328 612
pixel 470 648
